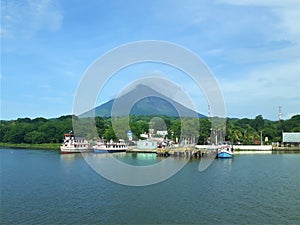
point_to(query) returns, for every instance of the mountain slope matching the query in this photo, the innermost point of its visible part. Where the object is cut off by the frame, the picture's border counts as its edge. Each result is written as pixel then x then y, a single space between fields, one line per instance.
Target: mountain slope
pixel 153 103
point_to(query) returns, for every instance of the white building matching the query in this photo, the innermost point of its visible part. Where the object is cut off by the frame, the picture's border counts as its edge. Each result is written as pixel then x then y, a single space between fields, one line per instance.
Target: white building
pixel 145 135
pixel 146 144
pixel 162 132
pixel 292 138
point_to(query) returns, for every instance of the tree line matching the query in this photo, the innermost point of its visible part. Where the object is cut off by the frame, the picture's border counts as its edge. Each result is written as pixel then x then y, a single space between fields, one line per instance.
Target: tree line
pixel 243 131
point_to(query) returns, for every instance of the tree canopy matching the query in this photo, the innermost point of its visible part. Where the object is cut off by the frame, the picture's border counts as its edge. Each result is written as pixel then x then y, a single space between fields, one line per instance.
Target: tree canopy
pixel 244 131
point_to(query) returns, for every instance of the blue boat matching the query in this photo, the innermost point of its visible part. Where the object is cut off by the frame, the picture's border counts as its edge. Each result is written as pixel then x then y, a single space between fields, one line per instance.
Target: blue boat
pixel 225 154
pixel 225 150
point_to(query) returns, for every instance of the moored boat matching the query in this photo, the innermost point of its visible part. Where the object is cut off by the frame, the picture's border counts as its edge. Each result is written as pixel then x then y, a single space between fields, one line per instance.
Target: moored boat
pixel 225 150
pixel 74 144
pixel 103 146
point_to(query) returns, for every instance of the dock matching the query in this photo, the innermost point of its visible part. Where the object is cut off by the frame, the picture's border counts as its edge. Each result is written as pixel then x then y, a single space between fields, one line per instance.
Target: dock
pixel 187 152
pixel 199 151
pixel 136 150
pixel 182 152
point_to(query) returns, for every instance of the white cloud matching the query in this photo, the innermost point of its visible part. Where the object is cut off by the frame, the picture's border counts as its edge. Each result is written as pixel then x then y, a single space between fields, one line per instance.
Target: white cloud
pixel 242 31
pixel 24 19
pixel 273 78
pixel 269 80
pixel 262 90
pixel 264 54
pixel 288 11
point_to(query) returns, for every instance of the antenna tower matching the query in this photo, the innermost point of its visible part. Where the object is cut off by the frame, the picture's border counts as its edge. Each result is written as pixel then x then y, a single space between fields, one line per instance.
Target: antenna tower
pixel 279 113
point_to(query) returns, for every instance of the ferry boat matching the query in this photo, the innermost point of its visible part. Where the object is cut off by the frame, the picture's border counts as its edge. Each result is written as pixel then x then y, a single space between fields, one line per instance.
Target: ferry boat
pixel 103 146
pixel 73 144
pixel 225 150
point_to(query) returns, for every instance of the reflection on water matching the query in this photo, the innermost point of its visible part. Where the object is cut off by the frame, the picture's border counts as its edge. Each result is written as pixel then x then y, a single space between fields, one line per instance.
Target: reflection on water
pixel 247 189
pixel 135 169
pixel 252 152
pixel 106 154
pixel 142 156
pixel 226 161
pixel 285 152
pixel 135 159
pixel 70 157
pixel 140 159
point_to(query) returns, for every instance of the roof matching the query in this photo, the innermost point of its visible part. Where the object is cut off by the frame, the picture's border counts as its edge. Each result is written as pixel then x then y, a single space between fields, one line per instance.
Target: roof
pixel 291 137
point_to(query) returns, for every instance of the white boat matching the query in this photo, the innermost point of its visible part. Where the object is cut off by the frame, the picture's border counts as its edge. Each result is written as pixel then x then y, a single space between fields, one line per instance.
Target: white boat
pixel 103 146
pixel 225 150
pixel 73 144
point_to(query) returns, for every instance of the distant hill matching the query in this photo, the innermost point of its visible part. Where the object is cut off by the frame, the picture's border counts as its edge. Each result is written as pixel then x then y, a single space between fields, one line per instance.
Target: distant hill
pixel 154 104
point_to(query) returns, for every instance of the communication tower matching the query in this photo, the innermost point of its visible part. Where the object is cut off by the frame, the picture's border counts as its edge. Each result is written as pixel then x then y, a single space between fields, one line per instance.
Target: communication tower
pixel 209 112
pixel 279 113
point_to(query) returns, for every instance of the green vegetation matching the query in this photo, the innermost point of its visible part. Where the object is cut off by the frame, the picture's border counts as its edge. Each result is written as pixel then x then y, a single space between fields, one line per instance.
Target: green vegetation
pixel 49 133
pixel 248 131
pixel 35 131
pixel 47 146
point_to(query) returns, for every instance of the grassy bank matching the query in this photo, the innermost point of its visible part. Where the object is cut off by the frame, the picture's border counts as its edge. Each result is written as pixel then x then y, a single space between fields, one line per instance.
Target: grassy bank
pixel 293 148
pixel 46 146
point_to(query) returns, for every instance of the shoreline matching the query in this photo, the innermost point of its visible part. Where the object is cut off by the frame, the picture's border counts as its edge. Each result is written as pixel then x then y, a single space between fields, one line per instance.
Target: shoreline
pixel 43 146
pixel 55 146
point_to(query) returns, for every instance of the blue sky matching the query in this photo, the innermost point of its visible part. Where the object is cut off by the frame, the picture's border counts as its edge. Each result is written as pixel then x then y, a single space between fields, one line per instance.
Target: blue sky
pixel 251 46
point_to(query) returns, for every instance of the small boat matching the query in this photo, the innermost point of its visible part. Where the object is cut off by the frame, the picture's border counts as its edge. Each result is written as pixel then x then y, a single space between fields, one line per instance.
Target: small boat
pixel 225 150
pixel 73 144
pixel 110 147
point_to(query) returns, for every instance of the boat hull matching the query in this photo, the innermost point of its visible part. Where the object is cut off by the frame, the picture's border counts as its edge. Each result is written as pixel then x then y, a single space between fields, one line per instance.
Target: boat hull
pixel 74 150
pixel 109 150
pixel 225 155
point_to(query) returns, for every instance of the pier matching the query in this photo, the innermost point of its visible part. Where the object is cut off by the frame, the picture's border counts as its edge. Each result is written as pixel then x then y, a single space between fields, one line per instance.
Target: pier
pixel 137 150
pixel 181 152
pixel 187 152
pixel 199 151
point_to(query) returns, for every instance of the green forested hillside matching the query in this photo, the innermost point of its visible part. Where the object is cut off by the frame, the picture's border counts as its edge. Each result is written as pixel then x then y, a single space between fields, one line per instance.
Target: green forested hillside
pixel 246 131
pixel 35 131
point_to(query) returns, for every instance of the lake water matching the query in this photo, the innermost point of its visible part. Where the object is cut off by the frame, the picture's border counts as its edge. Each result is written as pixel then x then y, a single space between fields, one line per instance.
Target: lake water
pixel 44 187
